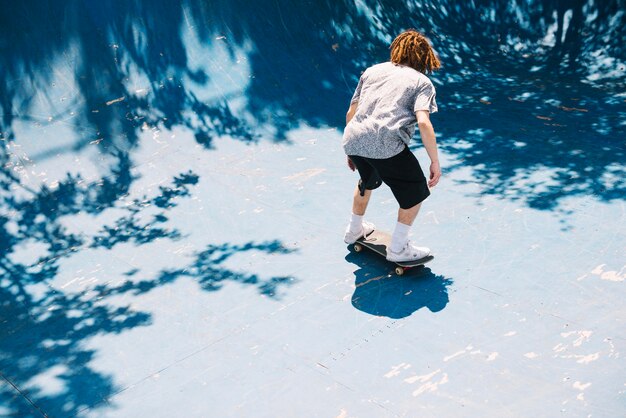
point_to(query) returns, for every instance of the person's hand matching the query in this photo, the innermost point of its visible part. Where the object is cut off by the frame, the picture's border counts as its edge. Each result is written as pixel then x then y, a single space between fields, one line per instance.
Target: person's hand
pixel 351 164
pixel 435 174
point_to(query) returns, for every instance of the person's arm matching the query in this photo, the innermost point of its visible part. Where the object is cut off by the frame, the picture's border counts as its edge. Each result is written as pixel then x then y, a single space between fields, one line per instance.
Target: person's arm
pixel 427 132
pixel 349 116
pixel 351 112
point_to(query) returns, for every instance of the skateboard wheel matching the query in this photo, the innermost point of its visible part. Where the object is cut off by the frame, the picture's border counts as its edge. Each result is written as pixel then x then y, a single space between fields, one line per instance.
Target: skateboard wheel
pixel 399 271
pixel 358 248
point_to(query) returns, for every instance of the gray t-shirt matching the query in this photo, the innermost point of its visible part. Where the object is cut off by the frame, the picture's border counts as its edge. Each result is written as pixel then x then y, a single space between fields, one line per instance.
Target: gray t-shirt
pixel 388 97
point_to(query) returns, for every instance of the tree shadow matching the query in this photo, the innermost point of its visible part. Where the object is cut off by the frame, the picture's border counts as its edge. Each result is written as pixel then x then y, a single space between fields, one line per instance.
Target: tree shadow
pixel 41 350
pixel 530 94
pixel 531 99
pixel 210 269
pixel 103 52
pixel 377 292
pixel 45 363
pixel 130 65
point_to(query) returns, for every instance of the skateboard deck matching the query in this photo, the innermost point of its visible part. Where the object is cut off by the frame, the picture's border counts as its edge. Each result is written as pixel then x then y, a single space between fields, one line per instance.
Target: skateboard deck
pixel 378 241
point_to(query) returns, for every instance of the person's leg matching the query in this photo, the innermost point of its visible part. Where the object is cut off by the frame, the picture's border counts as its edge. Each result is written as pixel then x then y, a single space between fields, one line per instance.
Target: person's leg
pixel 400 235
pixel 362 193
pixel 403 174
pixel 407 216
pixel 359 203
pixel 359 206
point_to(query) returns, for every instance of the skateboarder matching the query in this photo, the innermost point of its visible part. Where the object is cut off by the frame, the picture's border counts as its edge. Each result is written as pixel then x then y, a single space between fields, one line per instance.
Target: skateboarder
pixel 390 100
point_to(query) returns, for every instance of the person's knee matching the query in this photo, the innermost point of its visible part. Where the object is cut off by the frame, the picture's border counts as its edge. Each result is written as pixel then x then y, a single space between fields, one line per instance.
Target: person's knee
pixel 407 216
pixel 411 209
pixel 369 186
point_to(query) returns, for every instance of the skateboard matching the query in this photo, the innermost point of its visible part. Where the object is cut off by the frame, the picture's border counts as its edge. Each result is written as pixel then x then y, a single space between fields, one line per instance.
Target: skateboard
pixel 378 241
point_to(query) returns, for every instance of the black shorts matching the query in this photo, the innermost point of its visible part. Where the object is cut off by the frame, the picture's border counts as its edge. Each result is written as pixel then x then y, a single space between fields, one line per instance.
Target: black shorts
pixel 402 173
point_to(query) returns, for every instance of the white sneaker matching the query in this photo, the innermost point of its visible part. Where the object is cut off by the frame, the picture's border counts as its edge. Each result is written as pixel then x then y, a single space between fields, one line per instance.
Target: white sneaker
pixel 366 228
pixel 410 252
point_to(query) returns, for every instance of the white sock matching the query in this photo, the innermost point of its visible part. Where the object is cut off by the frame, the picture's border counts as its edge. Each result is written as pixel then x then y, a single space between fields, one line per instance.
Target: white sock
pixel 399 237
pixel 356 223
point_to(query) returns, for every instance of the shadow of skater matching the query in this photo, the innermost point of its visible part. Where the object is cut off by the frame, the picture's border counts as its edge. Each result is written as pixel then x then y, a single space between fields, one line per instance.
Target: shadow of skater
pixel 379 293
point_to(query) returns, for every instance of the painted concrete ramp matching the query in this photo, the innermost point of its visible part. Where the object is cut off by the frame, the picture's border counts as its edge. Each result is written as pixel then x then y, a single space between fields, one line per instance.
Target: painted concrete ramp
pixel 174 195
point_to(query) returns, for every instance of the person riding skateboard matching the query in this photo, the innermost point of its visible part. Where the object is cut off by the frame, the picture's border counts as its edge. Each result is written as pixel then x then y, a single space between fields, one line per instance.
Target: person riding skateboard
pixel 390 99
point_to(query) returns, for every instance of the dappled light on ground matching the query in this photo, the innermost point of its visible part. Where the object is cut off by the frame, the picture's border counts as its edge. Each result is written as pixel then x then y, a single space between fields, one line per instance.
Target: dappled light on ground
pixel 115 193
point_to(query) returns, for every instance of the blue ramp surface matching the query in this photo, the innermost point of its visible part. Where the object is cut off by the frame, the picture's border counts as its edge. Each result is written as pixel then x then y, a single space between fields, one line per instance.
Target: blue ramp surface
pixel 173 197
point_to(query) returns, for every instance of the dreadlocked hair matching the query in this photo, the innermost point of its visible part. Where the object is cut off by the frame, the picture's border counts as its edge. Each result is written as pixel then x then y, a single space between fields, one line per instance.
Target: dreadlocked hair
pixel 411 48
